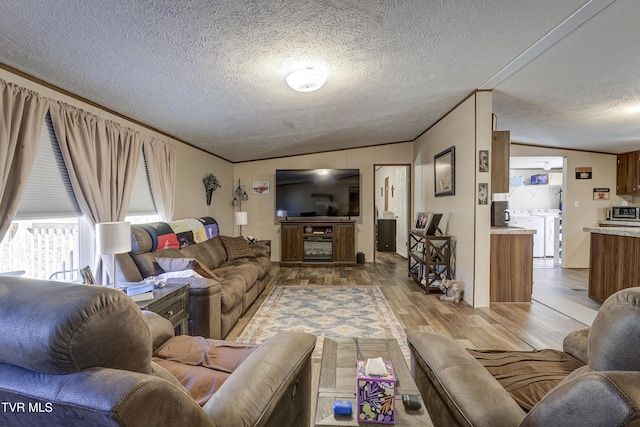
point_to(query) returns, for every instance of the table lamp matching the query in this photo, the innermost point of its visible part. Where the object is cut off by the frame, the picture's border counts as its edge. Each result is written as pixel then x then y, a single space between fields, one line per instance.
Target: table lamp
pixel 113 238
pixel 242 218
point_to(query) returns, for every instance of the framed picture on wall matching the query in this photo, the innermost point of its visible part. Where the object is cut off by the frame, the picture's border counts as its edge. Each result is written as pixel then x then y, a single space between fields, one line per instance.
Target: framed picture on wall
pixel 483 161
pixel 260 187
pixel 444 172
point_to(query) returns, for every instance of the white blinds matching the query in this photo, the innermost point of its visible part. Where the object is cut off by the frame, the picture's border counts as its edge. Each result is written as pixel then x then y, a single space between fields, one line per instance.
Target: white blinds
pixel 48 193
pixel 141 199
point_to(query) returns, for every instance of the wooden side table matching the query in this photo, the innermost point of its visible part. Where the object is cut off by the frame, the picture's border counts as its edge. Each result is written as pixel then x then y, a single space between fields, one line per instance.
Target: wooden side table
pixel 172 303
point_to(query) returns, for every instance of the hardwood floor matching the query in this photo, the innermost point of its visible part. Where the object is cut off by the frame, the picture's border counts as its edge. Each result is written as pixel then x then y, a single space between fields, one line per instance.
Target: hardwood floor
pixel 508 326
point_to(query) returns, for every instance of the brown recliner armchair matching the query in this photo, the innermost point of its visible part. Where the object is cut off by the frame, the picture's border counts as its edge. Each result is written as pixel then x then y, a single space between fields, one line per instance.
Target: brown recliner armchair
pixel 459 391
pixel 82 355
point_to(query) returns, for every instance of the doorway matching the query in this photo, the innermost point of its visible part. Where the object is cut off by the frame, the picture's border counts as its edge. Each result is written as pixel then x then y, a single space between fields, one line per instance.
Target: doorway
pixel 392 207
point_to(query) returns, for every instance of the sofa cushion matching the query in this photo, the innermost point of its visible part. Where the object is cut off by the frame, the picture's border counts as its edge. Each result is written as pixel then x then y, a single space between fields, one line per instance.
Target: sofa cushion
pixel 210 253
pixel 181 264
pixel 527 375
pixel 236 247
pixel 202 372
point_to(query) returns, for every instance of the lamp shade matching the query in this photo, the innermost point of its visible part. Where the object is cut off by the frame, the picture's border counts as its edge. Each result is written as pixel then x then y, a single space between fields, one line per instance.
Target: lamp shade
pixel 242 218
pixel 113 237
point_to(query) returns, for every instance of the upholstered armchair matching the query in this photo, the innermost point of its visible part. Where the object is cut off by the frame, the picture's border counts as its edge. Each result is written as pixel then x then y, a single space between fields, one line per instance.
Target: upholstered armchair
pixel 82 355
pixel 594 382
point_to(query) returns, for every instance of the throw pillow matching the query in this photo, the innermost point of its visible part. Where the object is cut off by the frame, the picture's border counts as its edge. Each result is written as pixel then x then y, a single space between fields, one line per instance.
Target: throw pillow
pixel 176 264
pixel 179 264
pixel 236 247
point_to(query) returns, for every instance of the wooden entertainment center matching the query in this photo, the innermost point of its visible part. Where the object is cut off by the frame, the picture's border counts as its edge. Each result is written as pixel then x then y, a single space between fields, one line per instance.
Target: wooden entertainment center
pixel 313 242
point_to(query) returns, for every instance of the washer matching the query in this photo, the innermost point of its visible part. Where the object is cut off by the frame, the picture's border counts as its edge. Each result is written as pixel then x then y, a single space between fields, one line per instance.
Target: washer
pixel 523 219
pixel 549 216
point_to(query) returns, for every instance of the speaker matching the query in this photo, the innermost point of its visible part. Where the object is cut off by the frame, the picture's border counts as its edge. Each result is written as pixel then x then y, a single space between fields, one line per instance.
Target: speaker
pixel 360 257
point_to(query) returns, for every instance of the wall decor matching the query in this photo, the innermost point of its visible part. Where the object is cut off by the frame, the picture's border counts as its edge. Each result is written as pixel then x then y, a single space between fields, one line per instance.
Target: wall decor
pixel 444 172
pixel 483 161
pixel 423 219
pixel 583 173
pixel 211 184
pixel 260 187
pixel 483 193
pixel 601 194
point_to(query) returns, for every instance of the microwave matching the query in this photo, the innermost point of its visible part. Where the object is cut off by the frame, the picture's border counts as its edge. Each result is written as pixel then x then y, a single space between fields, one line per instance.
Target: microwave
pixel 625 213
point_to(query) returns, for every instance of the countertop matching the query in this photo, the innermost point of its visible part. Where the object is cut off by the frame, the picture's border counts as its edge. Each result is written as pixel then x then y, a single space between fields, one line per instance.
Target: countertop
pixel 615 223
pixel 511 230
pixel 615 231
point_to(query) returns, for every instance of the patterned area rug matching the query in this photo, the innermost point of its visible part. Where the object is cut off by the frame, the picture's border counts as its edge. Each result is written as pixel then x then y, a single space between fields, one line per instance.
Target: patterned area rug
pixel 326 311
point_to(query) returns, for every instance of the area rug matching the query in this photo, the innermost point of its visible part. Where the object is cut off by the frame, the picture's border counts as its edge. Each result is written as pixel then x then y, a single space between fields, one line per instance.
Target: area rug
pixel 326 311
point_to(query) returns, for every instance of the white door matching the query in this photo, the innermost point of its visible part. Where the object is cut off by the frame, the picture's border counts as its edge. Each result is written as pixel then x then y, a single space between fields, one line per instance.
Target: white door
pixel 401 215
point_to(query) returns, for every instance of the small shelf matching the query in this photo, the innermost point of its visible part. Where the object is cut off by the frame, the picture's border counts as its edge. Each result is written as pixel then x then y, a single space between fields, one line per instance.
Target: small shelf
pixel 429 257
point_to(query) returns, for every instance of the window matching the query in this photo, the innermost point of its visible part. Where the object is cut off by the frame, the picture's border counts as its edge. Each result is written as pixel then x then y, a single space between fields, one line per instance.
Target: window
pixel 48 237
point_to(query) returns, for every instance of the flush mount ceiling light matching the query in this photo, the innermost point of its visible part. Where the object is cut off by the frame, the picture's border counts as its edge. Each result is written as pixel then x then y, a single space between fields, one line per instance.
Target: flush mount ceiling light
pixel 306 80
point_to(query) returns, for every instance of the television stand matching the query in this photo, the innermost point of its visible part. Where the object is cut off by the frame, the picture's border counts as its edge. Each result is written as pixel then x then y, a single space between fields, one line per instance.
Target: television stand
pixel 317 242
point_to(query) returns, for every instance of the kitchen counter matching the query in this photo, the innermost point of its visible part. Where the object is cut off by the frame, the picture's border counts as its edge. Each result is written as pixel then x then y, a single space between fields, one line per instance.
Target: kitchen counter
pixel 511 230
pixel 616 223
pixel 614 231
pixel 613 263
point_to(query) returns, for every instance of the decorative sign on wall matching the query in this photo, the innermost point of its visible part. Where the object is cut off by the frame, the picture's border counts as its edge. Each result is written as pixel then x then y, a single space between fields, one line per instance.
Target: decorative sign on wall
pixel 583 173
pixel 260 187
pixel 483 161
pixel 483 193
pixel 601 194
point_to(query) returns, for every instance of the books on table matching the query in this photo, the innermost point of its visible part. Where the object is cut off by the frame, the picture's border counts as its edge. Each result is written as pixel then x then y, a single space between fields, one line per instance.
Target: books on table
pixel 142 297
pixel 139 291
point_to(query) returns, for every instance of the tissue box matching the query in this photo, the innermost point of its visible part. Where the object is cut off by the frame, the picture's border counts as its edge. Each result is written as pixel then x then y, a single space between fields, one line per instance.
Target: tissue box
pixel 376 395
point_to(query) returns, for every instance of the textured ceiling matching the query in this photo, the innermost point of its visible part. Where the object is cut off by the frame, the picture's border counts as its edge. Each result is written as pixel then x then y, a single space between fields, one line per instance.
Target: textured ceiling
pixel 212 73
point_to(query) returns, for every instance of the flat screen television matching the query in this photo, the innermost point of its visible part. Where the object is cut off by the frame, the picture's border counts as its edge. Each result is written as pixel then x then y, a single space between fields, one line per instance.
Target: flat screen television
pixel 317 192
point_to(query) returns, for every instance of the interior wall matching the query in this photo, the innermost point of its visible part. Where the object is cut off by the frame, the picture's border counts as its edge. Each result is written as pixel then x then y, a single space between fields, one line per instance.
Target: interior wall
pixel 381 174
pixel 468 129
pixel 192 164
pixel 546 196
pixel 261 207
pixel 579 208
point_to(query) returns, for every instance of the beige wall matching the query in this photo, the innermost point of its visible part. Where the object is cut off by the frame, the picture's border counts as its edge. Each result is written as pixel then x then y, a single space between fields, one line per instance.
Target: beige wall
pixel 588 212
pixel 261 207
pixel 468 128
pixel 192 164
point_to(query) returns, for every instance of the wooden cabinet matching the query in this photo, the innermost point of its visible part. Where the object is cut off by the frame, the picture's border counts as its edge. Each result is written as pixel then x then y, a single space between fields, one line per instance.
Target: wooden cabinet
pixel 499 164
pixel 386 235
pixel 429 257
pixel 511 268
pixel 172 303
pixel 613 264
pixel 317 242
pixel 628 173
pixel 291 244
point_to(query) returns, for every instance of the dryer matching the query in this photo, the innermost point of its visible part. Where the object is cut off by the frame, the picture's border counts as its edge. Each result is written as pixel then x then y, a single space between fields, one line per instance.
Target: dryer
pixel 523 219
pixel 549 216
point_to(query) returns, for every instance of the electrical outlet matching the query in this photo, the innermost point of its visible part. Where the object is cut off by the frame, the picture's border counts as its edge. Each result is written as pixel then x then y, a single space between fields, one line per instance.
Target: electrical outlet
pixel 576 204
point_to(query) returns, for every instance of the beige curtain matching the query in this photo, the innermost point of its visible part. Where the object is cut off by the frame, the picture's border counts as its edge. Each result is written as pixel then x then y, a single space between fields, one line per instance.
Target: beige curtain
pixel 21 122
pixel 160 158
pixel 101 158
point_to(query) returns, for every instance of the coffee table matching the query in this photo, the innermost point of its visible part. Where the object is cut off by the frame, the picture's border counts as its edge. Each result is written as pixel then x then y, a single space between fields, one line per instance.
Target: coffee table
pixel 338 381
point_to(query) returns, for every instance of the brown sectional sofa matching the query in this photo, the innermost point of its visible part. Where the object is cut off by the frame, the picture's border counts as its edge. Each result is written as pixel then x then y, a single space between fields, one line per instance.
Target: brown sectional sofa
pixel 240 274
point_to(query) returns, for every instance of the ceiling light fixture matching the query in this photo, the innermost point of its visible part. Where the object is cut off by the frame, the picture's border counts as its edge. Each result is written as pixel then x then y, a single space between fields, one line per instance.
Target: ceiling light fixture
pixel 306 80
